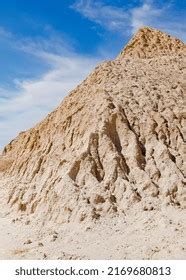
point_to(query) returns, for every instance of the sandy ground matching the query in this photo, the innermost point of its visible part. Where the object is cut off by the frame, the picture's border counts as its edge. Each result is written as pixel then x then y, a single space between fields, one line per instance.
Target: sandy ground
pixel 150 235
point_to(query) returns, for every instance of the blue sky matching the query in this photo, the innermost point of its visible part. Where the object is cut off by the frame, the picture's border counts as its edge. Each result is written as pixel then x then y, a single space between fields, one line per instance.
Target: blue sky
pixel 47 47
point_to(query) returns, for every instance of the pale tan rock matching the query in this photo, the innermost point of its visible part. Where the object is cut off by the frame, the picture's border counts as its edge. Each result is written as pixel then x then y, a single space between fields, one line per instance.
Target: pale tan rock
pixel 149 42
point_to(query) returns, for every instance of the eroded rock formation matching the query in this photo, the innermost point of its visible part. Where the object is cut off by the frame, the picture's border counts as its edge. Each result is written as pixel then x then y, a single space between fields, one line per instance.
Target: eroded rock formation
pixel 115 141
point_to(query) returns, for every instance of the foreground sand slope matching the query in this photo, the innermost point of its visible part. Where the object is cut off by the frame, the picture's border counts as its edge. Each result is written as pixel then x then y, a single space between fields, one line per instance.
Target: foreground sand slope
pixel 112 151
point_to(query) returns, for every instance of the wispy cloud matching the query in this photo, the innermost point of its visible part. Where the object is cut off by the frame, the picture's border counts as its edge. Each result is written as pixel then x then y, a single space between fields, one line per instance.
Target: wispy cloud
pixel 4 33
pixel 33 99
pixel 127 20
pixel 146 14
pixel 109 17
pixel 159 16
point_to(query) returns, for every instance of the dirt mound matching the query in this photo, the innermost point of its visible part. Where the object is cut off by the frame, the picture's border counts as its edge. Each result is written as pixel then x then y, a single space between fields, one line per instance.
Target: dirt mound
pixel 115 142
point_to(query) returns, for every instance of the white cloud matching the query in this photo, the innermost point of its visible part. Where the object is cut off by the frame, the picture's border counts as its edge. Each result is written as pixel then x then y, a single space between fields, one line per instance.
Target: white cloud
pixel 110 17
pixel 4 33
pixel 144 15
pixel 160 17
pixel 128 21
pixel 22 108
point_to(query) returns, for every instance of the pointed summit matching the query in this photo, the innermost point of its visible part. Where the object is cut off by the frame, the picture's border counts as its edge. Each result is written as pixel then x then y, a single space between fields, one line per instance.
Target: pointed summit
pixel 149 42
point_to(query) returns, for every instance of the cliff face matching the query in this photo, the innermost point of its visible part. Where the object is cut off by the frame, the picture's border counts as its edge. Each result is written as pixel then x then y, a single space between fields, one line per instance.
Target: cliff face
pixel 115 142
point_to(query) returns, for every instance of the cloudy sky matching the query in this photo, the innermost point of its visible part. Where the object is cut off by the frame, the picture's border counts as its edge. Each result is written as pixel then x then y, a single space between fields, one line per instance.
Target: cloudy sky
pixel 47 47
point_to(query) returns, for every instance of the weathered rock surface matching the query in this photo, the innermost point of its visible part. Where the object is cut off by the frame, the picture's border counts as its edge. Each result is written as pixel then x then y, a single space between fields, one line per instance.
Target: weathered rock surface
pixel 115 142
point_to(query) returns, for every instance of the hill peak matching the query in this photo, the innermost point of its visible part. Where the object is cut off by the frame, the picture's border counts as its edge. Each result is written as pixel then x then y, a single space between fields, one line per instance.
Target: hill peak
pixel 149 42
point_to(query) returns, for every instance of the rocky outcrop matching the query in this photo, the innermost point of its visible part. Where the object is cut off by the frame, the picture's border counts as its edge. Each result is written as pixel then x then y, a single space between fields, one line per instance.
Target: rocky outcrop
pixel 149 42
pixel 115 141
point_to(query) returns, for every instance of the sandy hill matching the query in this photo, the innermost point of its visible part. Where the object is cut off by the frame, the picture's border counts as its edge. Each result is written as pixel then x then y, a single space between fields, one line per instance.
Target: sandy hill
pixel 116 140
pixel 114 144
